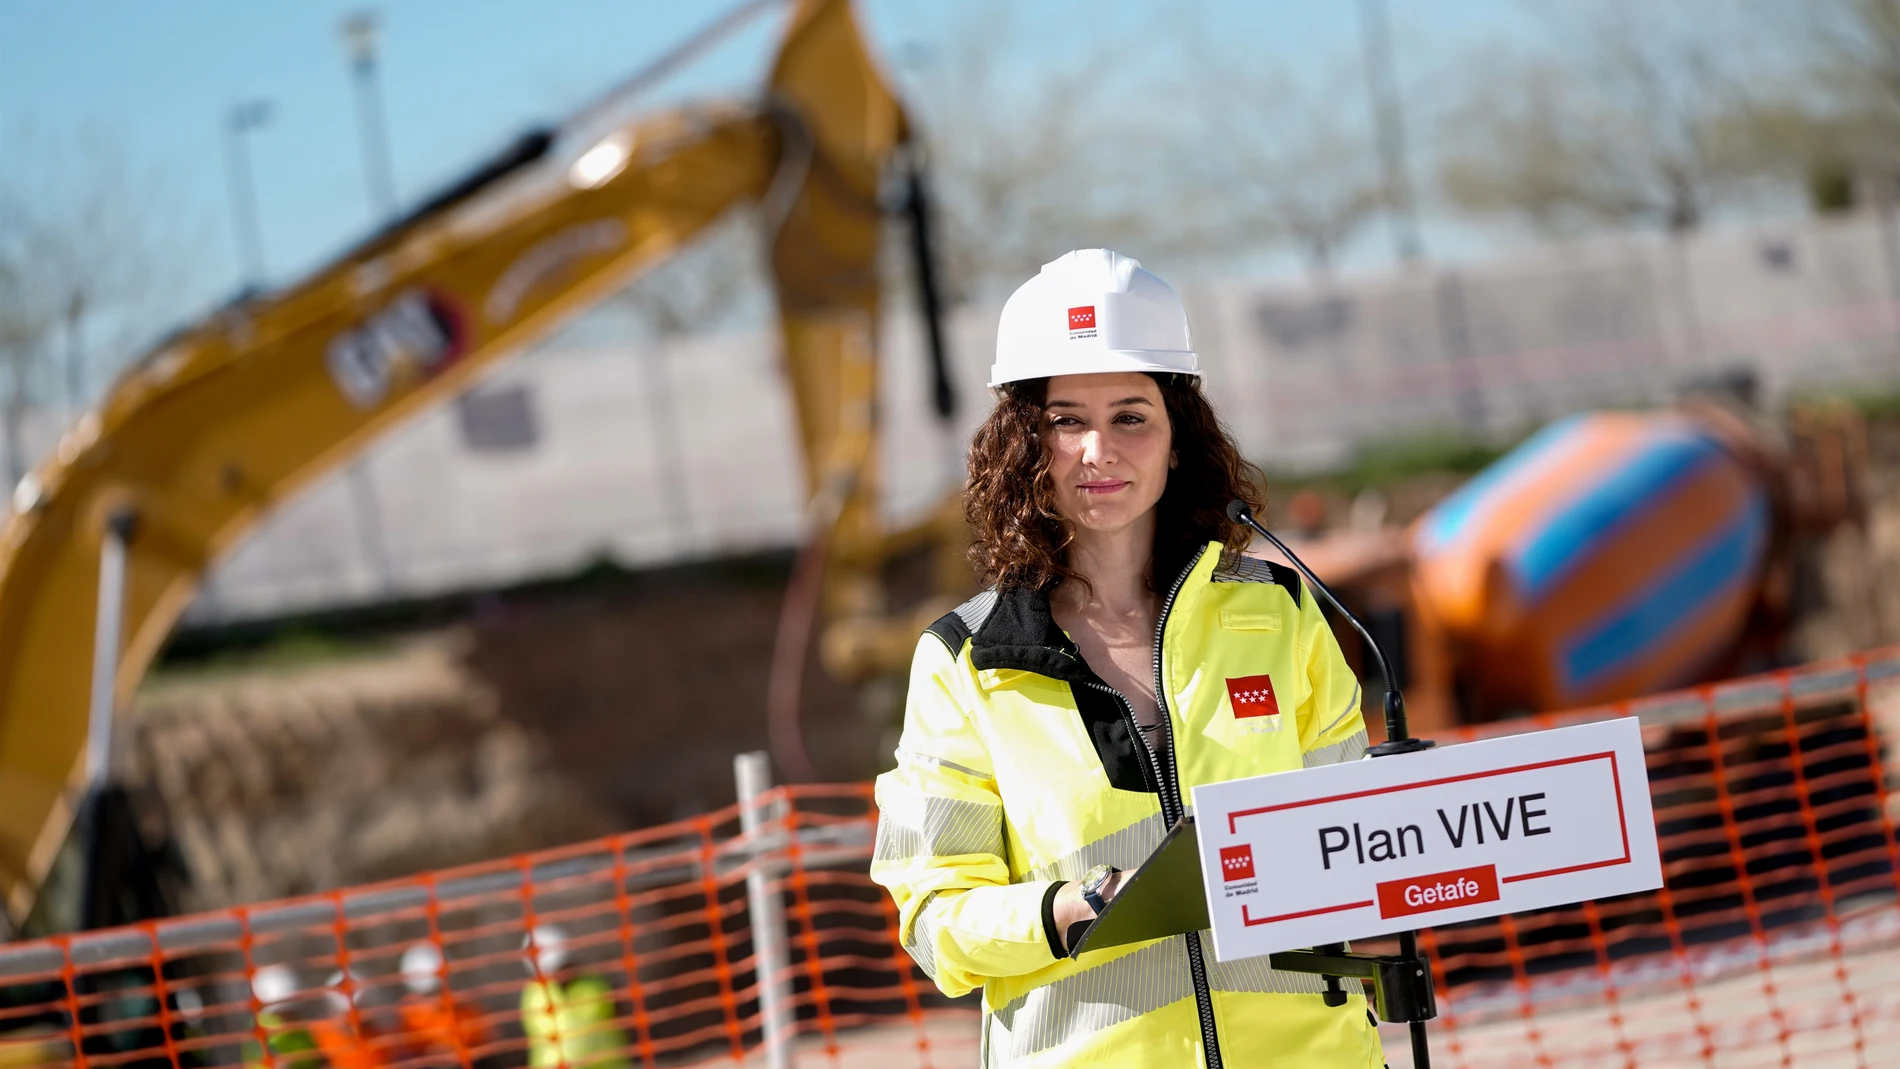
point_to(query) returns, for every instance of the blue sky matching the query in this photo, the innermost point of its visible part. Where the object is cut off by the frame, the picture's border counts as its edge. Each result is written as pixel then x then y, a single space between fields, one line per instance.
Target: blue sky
pixel 460 77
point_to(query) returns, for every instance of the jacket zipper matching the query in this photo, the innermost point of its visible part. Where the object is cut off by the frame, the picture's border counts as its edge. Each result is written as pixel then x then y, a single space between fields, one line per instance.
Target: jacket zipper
pixel 1168 785
pixel 1197 966
pixel 1134 729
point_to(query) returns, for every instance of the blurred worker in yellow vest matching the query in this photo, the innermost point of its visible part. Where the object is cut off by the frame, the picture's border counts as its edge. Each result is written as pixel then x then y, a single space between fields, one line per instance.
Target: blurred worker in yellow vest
pixel 569 1023
pixel 435 1023
pixel 290 1043
pixel 344 1033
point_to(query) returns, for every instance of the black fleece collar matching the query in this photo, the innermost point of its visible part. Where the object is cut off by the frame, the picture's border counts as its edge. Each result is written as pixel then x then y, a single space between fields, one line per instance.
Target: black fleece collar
pixel 1020 632
pixel 1012 627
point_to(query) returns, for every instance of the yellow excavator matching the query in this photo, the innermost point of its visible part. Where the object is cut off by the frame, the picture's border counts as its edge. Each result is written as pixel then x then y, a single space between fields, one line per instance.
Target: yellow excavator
pixel 204 435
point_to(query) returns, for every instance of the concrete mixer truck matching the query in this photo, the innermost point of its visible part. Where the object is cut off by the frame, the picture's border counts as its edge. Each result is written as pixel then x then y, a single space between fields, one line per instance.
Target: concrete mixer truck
pixel 1610 555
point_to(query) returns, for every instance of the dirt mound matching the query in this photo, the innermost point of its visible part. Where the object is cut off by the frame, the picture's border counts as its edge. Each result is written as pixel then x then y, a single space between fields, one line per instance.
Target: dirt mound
pixel 542 719
pixel 643 697
pixel 287 781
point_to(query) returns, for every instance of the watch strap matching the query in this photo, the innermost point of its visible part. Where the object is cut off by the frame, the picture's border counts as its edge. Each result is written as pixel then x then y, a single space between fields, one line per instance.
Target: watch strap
pixel 1093 894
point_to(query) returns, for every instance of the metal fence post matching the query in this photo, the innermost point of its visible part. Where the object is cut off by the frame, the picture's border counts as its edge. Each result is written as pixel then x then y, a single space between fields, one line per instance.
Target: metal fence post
pixel 770 952
pixel 105 645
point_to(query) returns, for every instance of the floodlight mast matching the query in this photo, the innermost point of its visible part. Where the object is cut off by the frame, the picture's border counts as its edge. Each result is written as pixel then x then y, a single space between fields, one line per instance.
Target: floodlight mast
pixel 361 33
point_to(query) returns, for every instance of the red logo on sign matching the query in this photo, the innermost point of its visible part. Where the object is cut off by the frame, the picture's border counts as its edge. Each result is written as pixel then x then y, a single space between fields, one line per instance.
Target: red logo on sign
pixel 1236 862
pixel 1082 318
pixel 1253 696
pixel 1441 890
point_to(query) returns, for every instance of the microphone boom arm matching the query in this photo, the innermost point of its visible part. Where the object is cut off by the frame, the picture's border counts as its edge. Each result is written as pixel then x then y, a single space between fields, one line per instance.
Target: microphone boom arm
pixel 1395 703
pixel 1401 984
pixel 1398 738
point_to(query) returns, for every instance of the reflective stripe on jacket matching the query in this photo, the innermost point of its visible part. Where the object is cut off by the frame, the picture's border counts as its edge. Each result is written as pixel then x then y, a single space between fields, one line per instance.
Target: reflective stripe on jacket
pixel 1019 769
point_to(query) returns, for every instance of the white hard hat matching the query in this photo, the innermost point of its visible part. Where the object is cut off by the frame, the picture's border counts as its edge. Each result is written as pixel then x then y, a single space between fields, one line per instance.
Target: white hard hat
pixel 342 988
pixel 549 945
pixel 274 984
pixel 422 968
pixel 1092 311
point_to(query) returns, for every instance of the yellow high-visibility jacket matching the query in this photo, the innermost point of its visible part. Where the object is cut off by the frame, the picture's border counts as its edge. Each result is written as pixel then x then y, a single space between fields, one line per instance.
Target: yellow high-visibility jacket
pixel 571 1025
pixel 1019 769
pixel 291 1044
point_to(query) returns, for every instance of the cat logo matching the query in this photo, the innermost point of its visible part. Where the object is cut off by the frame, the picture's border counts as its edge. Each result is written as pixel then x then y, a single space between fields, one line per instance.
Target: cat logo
pixel 412 339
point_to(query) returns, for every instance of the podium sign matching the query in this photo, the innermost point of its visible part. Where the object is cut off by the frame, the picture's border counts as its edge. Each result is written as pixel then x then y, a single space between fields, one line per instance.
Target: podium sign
pixel 1301 859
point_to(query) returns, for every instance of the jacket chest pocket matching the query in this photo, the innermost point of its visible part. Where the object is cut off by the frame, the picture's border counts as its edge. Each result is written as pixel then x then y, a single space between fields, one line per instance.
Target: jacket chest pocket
pixel 1249 691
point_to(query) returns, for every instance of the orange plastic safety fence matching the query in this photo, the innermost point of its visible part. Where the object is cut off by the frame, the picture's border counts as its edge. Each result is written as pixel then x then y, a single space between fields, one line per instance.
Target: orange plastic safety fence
pixel 1772 943
pixel 641 954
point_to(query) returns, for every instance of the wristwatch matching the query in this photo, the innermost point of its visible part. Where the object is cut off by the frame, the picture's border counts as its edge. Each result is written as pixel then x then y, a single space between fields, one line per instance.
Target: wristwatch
pixel 1092 883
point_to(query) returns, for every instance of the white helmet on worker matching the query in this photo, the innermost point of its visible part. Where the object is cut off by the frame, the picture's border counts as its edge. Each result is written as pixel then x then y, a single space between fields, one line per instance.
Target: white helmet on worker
pixel 341 988
pixel 422 968
pixel 274 984
pixel 1092 311
pixel 548 946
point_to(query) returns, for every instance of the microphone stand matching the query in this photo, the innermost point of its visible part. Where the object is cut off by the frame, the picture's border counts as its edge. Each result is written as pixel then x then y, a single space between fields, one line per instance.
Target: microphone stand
pixel 1402 983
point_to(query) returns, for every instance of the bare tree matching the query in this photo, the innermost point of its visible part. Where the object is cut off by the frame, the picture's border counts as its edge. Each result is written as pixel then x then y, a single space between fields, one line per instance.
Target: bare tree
pixel 1638 115
pixel 718 282
pixel 26 321
pixel 1172 148
pixel 1844 110
pixel 1287 164
pixel 91 264
pixel 1033 154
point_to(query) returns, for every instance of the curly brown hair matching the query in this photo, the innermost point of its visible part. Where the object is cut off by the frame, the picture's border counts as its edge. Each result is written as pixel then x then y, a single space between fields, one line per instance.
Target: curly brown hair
pixel 1018 537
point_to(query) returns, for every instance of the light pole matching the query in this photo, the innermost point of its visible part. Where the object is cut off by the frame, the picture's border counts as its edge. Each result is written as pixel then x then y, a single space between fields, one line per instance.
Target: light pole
pixel 360 31
pixel 1388 120
pixel 241 120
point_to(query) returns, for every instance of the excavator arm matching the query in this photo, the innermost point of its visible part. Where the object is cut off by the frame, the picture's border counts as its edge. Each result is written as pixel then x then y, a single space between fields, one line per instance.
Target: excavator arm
pixel 201 438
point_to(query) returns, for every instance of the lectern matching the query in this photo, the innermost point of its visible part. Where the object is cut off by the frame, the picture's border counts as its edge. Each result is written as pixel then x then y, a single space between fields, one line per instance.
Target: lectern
pixel 1375 848
pixel 1311 858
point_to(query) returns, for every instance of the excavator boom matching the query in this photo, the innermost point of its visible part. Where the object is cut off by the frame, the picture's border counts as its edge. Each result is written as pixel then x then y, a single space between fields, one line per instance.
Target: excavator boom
pixel 202 437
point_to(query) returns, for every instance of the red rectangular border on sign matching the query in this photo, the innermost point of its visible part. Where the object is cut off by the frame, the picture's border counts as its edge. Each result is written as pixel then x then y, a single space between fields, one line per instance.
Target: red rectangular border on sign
pixel 1622 819
pixel 1250 921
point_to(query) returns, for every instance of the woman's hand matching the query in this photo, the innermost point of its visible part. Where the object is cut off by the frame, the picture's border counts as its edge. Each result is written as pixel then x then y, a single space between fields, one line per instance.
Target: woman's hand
pixel 1072 909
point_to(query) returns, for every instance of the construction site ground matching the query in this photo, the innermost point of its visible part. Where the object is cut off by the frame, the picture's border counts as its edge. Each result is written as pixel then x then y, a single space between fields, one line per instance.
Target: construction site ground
pixel 1792 1013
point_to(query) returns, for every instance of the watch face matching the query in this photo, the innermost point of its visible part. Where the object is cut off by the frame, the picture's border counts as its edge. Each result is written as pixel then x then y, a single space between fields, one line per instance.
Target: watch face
pixel 1093 879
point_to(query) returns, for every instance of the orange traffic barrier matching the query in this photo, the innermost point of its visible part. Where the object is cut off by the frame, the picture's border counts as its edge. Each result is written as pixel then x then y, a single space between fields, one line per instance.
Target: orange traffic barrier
pixel 1776 940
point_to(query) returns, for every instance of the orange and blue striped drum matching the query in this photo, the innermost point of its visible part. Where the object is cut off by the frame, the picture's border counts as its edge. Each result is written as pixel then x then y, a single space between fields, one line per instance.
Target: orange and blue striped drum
pixel 1611 555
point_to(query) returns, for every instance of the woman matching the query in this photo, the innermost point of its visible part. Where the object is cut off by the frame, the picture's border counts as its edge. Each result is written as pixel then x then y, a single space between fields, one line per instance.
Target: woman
pixel 1125 652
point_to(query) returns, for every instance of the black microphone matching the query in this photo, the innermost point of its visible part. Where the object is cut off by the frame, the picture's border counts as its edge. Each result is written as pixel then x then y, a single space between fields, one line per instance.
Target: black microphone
pixel 1397 739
